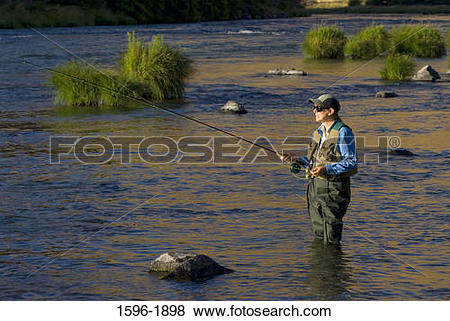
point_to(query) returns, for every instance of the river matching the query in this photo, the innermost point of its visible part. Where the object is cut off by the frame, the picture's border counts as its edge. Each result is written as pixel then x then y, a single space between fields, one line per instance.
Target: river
pixel 73 231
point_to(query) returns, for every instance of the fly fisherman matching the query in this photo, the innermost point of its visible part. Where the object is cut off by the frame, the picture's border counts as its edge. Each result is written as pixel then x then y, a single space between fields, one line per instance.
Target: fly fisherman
pixel 332 160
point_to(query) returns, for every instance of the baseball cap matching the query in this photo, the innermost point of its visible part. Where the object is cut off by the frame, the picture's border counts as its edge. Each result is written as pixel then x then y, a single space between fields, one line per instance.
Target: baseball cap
pixel 326 101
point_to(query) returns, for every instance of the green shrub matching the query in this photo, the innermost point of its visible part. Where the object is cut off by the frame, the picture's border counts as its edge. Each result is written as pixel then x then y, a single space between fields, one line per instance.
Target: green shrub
pixel 370 42
pixel 398 68
pixel 324 42
pixel 417 40
pixel 162 68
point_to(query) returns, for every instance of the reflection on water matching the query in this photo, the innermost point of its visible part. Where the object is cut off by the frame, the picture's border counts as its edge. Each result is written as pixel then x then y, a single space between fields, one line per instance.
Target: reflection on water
pixel 329 272
pixel 251 218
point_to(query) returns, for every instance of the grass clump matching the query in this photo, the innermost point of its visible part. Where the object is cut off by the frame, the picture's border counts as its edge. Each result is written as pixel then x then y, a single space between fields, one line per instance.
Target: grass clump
pixel 325 42
pixel 398 68
pixel 152 71
pixel 162 68
pixel 370 42
pixel 82 85
pixel 420 41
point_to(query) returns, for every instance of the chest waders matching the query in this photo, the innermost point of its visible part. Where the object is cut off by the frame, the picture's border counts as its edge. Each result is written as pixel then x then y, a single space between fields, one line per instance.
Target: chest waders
pixel 328 196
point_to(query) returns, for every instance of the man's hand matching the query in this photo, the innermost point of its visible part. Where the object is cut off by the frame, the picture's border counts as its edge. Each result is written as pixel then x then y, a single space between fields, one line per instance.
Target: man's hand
pixel 319 171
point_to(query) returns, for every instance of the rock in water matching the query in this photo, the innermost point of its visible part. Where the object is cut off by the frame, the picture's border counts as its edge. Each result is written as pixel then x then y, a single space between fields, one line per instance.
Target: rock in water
pixel 385 94
pixel 427 73
pixel 186 266
pixel 289 72
pixel 233 107
pixel 400 152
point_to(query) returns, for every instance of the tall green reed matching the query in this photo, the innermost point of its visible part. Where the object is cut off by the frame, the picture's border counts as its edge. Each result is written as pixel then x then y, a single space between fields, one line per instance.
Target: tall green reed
pixel 154 71
pixel 422 41
pixel 325 42
pixel 368 43
pixel 160 67
pixel 398 68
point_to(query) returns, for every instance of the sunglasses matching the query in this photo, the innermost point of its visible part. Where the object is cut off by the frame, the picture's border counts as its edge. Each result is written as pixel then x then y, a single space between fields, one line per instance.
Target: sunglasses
pixel 319 108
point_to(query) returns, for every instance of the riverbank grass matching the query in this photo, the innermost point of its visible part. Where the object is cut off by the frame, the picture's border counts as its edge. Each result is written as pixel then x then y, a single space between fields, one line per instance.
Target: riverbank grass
pixel 152 70
pixel 398 68
pixel 370 42
pixel 422 41
pixel 325 42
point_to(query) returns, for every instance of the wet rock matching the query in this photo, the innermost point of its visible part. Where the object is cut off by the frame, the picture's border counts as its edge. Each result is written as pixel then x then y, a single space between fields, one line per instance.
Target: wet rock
pixel 288 72
pixel 400 152
pixel 385 94
pixel 186 266
pixel 427 73
pixel 233 108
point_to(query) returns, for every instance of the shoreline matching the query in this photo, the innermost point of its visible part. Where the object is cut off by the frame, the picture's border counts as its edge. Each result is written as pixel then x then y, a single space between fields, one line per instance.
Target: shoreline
pixel 53 16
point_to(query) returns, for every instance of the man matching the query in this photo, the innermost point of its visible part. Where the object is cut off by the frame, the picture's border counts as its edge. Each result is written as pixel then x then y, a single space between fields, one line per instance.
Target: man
pixel 332 160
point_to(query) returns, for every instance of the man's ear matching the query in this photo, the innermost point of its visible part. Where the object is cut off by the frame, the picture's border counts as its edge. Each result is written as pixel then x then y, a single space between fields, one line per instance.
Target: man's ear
pixel 331 111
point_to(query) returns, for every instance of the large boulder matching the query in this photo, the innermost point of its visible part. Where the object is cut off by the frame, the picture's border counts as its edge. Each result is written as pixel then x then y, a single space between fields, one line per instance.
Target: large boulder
pixel 288 72
pixel 186 266
pixel 233 107
pixel 427 73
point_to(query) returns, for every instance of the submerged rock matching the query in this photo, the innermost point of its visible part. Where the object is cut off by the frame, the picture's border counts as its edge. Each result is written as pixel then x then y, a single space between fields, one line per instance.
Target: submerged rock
pixel 233 107
pixel 427 73
pixel 400 152
pixel 186 266
pixel 288 72
pixel 385 94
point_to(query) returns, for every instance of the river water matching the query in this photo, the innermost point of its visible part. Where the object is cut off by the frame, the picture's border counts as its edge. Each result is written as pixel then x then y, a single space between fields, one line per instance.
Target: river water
pixel 72 231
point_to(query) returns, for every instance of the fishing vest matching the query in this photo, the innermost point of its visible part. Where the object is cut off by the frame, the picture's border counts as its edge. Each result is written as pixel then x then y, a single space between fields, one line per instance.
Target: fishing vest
pixel 327 152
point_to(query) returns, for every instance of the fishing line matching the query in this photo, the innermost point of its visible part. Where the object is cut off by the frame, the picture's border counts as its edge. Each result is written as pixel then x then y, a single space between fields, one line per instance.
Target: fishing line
pixel 138 98
pixel 148 103
pixel 193 119
pixel 145 102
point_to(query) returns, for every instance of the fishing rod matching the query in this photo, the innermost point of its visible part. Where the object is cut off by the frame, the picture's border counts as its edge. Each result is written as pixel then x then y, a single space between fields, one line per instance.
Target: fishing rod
pixel 146 102
pixel 301 163
pixel 296 165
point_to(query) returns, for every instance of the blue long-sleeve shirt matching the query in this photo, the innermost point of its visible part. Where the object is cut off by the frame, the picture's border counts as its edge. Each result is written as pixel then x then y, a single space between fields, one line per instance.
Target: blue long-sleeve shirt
pixel 346 148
